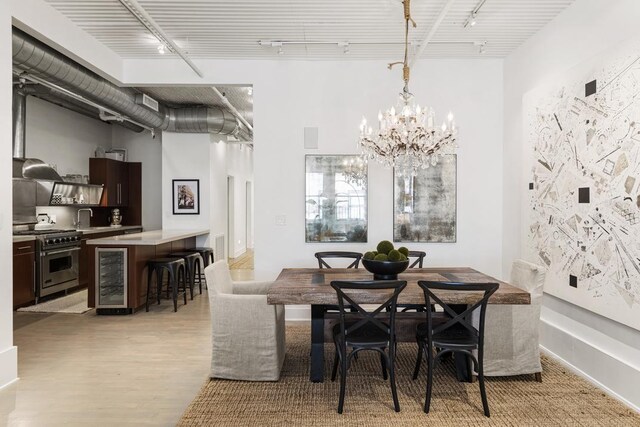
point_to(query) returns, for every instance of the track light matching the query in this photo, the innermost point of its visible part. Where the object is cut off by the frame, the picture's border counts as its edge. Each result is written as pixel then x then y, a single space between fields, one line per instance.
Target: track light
pixel 161 49
pixel 471 20
pixel 481 46
pixel 280 50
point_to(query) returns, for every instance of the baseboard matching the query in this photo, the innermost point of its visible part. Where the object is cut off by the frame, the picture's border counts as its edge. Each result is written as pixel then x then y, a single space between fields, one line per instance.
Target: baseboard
pixel 8 366
pixel 297 313
pixel 589 378
pixel 604 369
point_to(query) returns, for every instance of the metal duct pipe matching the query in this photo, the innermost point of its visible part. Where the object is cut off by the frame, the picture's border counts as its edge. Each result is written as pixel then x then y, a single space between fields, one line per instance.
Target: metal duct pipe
pixel 64 101
pixel 41 61
pixel 19 122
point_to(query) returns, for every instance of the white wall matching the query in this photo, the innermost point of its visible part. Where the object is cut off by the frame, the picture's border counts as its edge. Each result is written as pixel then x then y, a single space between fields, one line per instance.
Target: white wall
pixel 333 96
pixel 604 350
pixel 186 156
pixel 141 147
pixel 8 353
pixel 62 137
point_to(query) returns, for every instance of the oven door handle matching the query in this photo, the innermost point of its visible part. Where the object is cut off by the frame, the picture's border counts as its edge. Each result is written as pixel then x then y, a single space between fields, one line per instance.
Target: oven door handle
pixel 61 251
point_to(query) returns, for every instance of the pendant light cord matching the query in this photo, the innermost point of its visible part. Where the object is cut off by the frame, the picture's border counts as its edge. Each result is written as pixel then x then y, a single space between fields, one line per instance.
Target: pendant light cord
pixel 406 73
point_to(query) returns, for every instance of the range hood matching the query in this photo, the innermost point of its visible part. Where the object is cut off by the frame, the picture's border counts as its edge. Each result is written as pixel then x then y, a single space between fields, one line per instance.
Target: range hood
pixel 22 167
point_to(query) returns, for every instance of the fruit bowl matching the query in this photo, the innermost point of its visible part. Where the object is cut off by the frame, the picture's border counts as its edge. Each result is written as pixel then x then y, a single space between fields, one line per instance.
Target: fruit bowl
pixel 385 270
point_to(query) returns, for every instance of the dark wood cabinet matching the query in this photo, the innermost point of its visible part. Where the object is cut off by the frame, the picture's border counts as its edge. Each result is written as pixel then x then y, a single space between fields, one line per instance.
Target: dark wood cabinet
pixel 24 273
pixel 114 175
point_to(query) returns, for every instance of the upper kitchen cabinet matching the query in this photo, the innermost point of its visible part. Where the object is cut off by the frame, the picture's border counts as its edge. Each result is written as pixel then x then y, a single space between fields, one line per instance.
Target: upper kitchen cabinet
pixel 114 175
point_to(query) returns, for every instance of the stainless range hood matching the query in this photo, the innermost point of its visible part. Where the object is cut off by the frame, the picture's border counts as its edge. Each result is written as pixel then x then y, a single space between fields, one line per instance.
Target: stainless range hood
pixel 23 167
pixel 32 178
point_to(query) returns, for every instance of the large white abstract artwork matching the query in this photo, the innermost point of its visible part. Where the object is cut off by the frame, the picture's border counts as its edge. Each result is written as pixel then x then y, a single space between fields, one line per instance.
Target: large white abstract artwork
pixel 583 216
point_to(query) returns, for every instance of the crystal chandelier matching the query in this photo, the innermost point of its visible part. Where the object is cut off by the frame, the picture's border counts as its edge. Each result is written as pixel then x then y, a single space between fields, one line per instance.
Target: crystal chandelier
pixel 407 136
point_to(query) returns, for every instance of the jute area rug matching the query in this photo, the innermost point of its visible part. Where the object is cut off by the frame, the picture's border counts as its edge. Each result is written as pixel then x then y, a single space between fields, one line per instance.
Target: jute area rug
pixel 562 399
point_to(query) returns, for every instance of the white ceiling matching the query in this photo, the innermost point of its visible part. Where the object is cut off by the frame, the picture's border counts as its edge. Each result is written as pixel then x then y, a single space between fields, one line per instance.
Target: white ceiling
pixel 373 28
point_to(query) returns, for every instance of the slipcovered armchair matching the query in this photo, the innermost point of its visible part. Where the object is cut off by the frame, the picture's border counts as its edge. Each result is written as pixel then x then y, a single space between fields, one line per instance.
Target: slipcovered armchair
pixel 511 343
pixel 248 341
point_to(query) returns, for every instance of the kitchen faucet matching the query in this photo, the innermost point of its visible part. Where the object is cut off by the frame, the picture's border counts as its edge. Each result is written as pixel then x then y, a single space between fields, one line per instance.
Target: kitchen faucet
pixel 80 210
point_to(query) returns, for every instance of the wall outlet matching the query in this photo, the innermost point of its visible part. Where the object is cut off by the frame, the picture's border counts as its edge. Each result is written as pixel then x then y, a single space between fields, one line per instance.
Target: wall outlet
pixel 281 220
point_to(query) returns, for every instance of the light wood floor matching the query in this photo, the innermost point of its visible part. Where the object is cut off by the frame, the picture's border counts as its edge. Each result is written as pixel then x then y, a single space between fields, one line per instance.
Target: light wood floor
pixel 142 369
pixel 242 267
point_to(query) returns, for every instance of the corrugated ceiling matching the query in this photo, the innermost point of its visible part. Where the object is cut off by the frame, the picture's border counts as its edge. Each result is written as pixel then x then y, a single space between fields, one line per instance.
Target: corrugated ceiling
pixel 373 28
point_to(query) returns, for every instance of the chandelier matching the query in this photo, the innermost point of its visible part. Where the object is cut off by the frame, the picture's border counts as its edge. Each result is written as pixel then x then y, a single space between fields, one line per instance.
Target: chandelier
pixel 407 136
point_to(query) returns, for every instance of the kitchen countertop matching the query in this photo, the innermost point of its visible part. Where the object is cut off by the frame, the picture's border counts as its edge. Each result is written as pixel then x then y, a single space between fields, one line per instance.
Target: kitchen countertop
pixel 106 229
pixel 147 238
pixel 17 239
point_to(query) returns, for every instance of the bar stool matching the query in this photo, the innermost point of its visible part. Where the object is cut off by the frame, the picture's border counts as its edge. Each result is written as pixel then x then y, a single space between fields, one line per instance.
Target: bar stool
pixel 192 262
pixel 207 258
pixel 176 269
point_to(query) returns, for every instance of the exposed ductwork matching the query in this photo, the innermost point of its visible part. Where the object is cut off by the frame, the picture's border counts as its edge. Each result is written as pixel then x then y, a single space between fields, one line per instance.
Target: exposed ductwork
pixel 42 62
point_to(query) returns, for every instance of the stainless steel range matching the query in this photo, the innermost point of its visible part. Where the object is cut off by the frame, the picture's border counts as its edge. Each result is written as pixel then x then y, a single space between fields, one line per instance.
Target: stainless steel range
pixel 56 260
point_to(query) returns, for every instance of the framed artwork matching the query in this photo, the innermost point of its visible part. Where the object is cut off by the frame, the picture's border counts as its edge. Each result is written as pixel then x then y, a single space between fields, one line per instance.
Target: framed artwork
pixel 425 208
pixel 581 219
pixel 335 199
pixel 186 197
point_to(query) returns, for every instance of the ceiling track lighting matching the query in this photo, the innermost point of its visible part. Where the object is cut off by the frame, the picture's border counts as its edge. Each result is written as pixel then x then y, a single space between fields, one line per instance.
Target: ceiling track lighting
pixel 472 18
pixel 148 22
pixel 482 46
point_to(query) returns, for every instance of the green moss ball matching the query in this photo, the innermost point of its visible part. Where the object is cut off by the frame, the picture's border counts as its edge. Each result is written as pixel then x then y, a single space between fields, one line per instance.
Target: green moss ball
pixel 404 251
pixel 394 255
pixel 369 255
pixel 385 247
pixel 381 257
pixel 403 257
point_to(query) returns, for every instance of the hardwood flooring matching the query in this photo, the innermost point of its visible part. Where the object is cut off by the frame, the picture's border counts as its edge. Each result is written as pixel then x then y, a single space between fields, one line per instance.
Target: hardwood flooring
pixel 242 267
pixel 142 369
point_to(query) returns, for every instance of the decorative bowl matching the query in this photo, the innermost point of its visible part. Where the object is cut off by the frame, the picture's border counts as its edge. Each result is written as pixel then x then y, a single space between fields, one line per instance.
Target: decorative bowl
pixel 385 270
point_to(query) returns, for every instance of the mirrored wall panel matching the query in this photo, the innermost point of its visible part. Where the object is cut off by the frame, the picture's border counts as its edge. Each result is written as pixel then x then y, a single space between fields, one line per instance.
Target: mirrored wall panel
pixel 425 203
pixel 336 199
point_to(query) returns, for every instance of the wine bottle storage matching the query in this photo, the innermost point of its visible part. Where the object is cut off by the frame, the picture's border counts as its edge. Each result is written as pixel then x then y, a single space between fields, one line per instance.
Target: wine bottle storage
pixel 111 277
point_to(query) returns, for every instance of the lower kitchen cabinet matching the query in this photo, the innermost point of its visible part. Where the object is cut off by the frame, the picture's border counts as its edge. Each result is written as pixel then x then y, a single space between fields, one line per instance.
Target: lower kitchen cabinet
pixel 24 273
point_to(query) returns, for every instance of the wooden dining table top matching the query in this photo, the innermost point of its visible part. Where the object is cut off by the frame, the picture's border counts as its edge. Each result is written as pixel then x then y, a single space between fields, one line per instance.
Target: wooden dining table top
pixel 313 286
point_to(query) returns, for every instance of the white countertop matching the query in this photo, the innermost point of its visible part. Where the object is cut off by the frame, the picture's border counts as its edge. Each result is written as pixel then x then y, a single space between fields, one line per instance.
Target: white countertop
pixel 147 238
pixel 107 229
pixel 17 239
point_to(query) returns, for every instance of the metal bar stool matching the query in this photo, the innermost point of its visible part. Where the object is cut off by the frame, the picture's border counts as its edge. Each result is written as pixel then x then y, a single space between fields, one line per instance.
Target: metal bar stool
pixel 176 269
pixel 207 258
pixel 192 262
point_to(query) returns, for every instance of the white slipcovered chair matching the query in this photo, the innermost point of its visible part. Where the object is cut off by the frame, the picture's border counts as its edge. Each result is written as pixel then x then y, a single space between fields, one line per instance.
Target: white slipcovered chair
pixel 511 332
pixel 248 335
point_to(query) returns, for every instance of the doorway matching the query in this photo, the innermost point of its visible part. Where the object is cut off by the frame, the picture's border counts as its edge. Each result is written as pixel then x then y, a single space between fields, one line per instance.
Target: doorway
pixel 249 215
pixel 230 215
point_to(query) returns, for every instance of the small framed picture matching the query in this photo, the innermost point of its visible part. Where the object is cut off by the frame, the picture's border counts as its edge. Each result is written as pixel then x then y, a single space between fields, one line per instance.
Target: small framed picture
pixel 186 197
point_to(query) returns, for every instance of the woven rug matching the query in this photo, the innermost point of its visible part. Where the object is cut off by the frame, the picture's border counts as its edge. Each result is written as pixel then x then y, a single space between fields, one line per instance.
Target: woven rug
pixel 75 303
pixel 562 399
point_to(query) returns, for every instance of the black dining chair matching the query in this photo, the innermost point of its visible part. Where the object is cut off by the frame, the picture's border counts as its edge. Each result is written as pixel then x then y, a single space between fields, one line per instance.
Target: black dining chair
pixel 454 333
pixel 364 330
pixel 323 256
pixel 417 263
pixel 419 258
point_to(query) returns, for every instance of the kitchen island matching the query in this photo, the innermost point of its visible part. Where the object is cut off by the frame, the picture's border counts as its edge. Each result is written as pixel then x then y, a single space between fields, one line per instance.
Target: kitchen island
pixel 124 259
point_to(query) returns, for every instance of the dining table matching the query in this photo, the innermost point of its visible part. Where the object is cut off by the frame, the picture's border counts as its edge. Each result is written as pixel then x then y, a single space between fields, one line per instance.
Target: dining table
pixel 312 286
